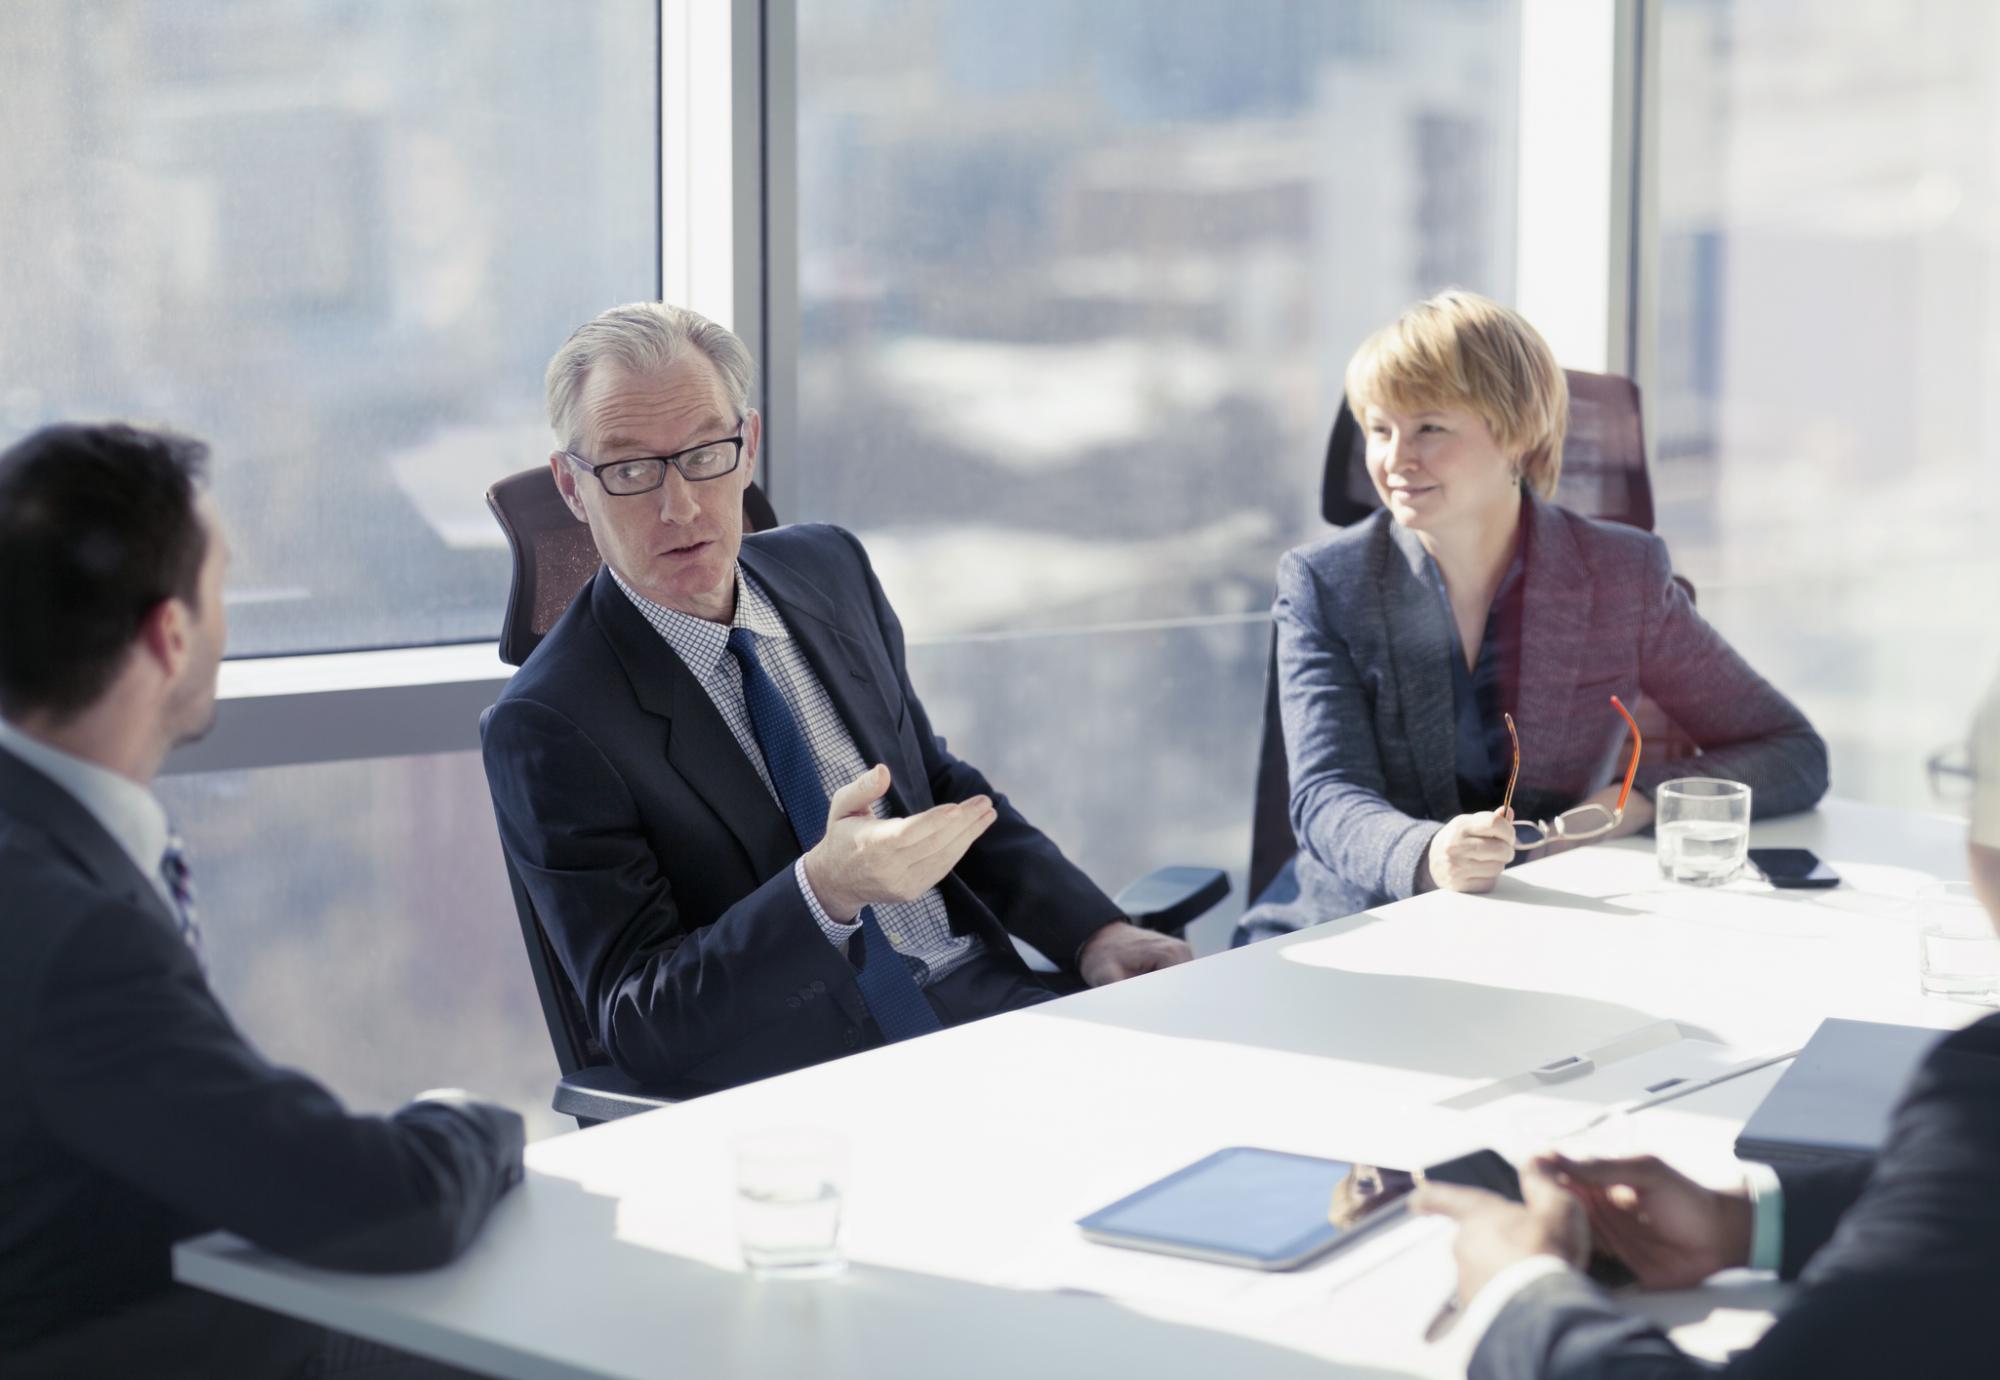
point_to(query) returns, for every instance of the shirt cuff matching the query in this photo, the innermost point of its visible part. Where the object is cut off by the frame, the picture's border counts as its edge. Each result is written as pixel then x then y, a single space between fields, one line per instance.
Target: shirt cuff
pixel 1767 1220
pixel 837 934
pixel 1498 1293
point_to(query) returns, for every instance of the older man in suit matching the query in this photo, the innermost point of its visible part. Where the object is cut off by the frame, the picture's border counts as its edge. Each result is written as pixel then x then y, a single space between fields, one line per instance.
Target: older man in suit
pixel 1898 1256
pixel 132 1112
pixel 748 846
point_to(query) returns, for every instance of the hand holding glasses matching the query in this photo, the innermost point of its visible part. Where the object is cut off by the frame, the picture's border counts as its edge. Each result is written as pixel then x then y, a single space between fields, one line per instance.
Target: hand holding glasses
pixel 1582 822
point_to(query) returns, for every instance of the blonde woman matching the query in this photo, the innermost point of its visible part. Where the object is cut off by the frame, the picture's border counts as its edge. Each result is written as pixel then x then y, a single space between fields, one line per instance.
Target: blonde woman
pixel 1408 642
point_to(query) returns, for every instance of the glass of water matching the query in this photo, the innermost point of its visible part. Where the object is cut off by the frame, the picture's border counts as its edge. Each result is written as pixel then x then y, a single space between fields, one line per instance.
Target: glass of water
pixel 788 1186
pixel 1703 828
pixel 1958 954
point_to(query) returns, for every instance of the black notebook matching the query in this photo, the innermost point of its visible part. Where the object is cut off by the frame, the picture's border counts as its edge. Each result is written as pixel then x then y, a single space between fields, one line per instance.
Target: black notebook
pixel 1835 1101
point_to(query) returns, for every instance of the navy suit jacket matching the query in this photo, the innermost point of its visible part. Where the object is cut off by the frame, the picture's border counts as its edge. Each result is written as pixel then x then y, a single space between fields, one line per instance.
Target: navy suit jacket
pixel 661 866
pixel 1899 1259
pixel 1365 692
pixel 132 1113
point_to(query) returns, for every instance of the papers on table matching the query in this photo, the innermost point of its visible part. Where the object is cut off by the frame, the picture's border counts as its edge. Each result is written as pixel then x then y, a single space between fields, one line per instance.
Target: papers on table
pixel 1561 1102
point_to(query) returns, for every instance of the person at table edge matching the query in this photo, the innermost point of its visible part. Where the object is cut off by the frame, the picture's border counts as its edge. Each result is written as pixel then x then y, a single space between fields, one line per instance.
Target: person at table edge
pixel 1897 1255
pixel 747 844
pixel 133 1113
pixel 1403 639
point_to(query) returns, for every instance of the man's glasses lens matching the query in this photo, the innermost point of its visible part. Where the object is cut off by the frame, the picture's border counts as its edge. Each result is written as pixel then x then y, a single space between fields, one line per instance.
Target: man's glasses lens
pixel 709 462
pixel 634 476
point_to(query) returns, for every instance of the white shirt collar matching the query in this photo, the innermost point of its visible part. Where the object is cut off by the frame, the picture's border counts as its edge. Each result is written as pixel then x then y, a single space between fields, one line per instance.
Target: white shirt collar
pixel 130 813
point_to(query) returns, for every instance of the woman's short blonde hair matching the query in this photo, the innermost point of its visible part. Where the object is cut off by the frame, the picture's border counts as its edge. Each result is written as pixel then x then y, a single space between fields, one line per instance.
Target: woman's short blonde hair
pixel 1459 349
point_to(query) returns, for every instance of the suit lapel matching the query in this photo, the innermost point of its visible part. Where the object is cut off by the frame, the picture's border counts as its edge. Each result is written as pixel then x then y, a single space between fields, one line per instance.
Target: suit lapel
pixel 1419 643
pixel 40 804
pixel 1556 604
pixel 841 662
pixel 699 744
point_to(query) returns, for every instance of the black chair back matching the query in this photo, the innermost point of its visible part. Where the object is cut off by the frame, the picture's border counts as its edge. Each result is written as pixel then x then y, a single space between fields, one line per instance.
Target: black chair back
pixel 1603 476
pixel 554 557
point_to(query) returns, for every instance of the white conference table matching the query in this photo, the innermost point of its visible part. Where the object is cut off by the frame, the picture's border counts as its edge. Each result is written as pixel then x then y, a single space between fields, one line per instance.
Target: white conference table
pixel 974 1150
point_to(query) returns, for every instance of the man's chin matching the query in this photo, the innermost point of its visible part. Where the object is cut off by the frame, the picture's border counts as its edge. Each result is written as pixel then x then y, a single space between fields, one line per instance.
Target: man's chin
pixel 694 589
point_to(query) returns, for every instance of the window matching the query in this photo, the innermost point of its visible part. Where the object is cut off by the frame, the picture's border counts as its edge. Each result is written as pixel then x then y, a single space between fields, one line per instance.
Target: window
pixel 1077 285
pixel 1828 346
pixel 358 925
pixel 339 241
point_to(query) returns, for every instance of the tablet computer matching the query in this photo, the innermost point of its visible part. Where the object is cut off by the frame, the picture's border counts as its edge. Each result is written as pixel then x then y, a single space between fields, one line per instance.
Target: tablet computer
pixel 1264 1209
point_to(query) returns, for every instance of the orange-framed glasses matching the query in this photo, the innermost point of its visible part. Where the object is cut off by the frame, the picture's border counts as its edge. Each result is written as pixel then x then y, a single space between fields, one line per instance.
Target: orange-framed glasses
pixel 1581 822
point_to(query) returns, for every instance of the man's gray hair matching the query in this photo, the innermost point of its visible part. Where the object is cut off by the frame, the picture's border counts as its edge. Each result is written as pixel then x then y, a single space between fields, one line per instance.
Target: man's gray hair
pixel 641 337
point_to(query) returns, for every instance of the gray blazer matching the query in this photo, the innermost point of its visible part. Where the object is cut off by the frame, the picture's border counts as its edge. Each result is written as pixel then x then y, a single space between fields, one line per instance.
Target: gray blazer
pixel 1365 690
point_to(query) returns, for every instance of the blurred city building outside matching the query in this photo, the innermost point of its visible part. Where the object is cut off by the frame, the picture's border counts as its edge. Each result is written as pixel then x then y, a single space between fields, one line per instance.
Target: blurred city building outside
pixel 1078 284
pixel 1826 417
pixel 338 241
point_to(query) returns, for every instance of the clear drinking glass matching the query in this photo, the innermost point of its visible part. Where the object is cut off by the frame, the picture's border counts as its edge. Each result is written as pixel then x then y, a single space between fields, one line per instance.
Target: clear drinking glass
pixel 1958 954
pixel 1703 828
pixel 788 1188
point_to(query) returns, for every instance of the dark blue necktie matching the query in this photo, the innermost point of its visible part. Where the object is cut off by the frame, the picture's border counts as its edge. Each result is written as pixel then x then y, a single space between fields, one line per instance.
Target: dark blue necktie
pixel 180 883
pixel 893 997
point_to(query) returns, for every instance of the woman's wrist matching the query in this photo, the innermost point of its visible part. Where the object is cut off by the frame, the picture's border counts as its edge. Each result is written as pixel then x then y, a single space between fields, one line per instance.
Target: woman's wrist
pixel 1638 813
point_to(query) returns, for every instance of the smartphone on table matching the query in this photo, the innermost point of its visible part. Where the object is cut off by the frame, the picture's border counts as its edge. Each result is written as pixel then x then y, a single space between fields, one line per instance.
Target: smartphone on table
pixel 1793 869
pixel 1487 1169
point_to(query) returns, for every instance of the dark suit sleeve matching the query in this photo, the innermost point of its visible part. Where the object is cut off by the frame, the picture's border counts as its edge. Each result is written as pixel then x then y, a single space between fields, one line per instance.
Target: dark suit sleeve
pixel 1815 1199
pixel 1746 729
pixel 1565 1328
pixel 1340 808
pixel 135 1069
pixel 1014 868
pixel 1903 1288
pixel 670 1001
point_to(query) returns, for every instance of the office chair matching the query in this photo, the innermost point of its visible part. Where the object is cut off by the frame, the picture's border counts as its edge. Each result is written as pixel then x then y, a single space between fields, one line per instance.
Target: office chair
pixel 1603 476
pixel 553 558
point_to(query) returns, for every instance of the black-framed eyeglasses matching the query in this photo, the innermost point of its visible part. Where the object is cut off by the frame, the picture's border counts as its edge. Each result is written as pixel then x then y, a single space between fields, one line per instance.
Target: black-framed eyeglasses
pixel 1953 780
pixel 644 473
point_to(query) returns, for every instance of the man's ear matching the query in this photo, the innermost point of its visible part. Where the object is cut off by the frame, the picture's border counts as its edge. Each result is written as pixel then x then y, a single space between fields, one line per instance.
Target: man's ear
pixel 566 486
pixel 753 443
pixel 163 636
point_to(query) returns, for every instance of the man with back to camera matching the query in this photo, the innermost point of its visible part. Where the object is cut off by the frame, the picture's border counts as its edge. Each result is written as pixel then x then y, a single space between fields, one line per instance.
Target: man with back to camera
pixel 132 1112
pixel 1898 1256
pixel 682 770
